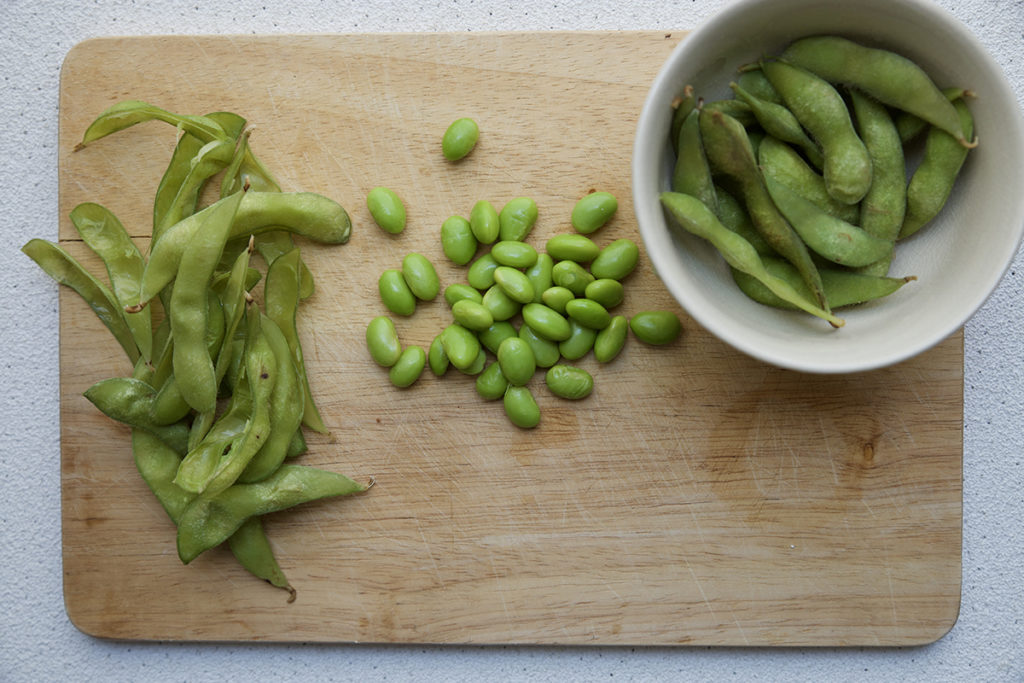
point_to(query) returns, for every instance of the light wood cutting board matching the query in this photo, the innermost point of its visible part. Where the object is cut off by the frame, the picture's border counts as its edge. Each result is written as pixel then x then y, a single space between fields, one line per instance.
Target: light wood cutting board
pixel 697 496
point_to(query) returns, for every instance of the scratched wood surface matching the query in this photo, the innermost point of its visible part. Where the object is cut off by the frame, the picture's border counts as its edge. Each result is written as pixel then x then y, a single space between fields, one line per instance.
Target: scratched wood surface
pixel 696 497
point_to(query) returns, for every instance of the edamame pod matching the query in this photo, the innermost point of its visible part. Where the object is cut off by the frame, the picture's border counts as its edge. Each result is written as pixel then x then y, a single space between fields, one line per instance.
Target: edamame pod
pixel 691 174
pixel 696 218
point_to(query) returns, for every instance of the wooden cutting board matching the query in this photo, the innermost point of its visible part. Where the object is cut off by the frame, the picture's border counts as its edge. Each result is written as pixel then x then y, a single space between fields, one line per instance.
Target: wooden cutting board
pixel 697 496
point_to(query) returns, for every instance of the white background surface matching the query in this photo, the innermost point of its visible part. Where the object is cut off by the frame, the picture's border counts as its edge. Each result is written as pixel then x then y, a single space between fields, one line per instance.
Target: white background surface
pixel 38 643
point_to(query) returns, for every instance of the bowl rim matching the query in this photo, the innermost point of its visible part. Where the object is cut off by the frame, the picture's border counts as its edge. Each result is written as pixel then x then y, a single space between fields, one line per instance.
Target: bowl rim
pixel 651 217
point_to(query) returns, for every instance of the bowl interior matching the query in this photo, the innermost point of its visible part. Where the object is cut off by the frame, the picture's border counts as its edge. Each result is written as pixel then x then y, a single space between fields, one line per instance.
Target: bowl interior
pixel 958 259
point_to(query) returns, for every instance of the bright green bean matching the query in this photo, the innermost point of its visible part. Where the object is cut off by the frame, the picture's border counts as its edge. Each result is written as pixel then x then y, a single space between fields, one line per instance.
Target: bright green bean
pixel 521 407
pixel 593 211
pixel 459 138
pixel 386 209
pixel 569 382
pixel 420 275
pixel 484 222
pixel 382 341
pixel 409 367
pixel 516 360
pixel 516 219
pixel 611 340
pixel 395 293
pixel 457 240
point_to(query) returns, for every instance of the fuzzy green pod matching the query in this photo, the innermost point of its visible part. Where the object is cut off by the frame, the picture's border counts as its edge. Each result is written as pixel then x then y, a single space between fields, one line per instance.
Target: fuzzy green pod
pixel 521 407
pixel 395 293
pixel 387 209
pixel 593 211
pixel 460 138
pixel 458 242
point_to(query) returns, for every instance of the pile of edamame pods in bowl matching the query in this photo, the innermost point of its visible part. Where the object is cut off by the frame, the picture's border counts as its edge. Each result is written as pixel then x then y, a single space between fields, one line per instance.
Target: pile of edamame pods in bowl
pixel 800 179
pixel 219 396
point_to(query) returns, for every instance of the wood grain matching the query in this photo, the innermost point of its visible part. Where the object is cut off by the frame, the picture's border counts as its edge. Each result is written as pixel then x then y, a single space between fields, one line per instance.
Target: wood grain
pixel 698 496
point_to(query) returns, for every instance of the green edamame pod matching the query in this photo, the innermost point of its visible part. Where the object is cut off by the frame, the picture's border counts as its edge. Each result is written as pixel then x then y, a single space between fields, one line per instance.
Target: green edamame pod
pixel 395 293
pixel 885 75
pixel 250 547
pixel 883 207
pixel 691 174
pixel 287 405
pixel 735 217
pixel 516 219
pixel 459 138
pixel 756 83
pixel 65 270
pixel 779 122
pixel 734 109
pixel 593 211
pixel 610 341
pixel 457 240
pixel 105 235
pixel 281 302
pixel 822 111
pixel 830 237
pixel 910 126
pixel 131 112
pixel 784 164
pixel 729 153
pixel 521 407
pixel 193 367
pixel 274 243
pixel 932 182
pixel 569 382
pixel 694 217
pixel 210 520
pixel 682 106
pixel 484 222
pixel 844 287
pixel 129 400
pixel 386 209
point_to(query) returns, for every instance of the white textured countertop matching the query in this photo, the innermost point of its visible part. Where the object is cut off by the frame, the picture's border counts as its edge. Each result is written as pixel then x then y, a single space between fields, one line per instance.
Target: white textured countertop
pixel 38 642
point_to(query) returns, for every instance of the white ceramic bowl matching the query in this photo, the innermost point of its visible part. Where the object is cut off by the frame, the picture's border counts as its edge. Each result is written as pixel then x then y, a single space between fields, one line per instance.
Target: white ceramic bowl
pixel 958 259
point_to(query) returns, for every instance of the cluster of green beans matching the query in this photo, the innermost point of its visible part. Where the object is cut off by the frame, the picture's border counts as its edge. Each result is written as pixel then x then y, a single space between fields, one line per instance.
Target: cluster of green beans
pixel 520 309
pixel 800 180
pixel 219 396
